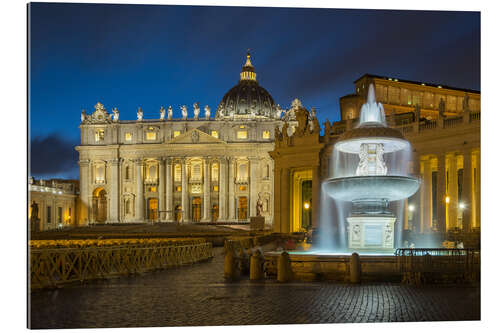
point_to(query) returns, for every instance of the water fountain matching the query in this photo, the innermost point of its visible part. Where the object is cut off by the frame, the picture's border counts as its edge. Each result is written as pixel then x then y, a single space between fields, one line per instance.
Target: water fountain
pixel 363 177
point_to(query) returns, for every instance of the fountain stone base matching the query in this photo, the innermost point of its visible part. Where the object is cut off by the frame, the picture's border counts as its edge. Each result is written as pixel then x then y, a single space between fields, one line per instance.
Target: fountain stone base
pixel 371 232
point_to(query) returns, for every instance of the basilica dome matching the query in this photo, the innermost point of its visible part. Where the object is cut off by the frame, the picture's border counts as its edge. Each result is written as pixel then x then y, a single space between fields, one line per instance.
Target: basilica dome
pixel 247 99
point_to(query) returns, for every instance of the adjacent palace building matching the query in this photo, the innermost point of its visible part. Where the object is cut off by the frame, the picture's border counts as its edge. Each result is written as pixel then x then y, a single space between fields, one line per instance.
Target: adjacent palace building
pixel 218 167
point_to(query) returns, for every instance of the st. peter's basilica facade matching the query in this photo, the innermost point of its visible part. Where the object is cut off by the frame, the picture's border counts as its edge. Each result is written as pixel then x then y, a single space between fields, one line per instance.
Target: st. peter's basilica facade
pixel 200 168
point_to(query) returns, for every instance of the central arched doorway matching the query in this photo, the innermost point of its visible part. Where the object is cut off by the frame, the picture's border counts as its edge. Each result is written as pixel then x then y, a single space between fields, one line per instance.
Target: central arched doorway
pixel 100 205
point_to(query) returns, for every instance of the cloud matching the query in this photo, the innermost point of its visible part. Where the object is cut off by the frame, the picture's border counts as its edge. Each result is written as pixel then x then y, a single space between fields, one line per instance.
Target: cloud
pixel 52 156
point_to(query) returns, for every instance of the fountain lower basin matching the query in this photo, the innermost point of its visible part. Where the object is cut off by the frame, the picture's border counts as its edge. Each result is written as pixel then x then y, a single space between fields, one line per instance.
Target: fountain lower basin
pixel 390 188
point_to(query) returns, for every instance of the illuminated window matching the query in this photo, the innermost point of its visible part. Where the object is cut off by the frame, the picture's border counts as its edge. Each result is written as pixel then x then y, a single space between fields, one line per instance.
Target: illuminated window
pixel 178 188
pixel 99 135
pixel 215 172
pixel 196 171
pixel 215 134
pixel 152 176
pixel 177 133
pixel 242 126
pixel 99 174
pixel 128 136
pixel 243 188
pixel 266 135
pixel 216 188
pixel 242 134
pixel 151 136
pixel 152 189
pixel 177 173
pixel 242 172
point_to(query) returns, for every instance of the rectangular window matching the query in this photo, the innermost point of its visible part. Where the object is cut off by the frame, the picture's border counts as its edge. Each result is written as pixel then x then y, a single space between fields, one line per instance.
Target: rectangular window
pixel 128 137
pixel 266 135
pixel 99 135
pixel 49 214
pixel 59 215
pixel 152 189
pixel 151 136
pixel 216 188
pixel 177 133
pixel 243 188
pixel 178 188
pixel 242 134
pixel 215 134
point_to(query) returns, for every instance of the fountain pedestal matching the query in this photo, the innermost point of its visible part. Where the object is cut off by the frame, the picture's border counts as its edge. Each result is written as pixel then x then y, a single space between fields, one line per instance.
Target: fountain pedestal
pixel 371 232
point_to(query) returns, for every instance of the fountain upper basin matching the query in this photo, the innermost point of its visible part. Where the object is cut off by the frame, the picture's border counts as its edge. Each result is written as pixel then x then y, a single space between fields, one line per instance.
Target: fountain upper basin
pixel 390 188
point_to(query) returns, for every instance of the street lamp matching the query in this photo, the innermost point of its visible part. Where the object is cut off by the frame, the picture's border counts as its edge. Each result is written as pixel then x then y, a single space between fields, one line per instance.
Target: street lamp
pixel 447 199
pixel 461 205
pixel 306 205
pixel 411 208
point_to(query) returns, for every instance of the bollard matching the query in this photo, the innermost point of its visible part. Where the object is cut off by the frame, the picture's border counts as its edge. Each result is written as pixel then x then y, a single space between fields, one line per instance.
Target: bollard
pixel 244 262
pixel 229 265
pixel 284 267
pixel 355 268
pixel 256 271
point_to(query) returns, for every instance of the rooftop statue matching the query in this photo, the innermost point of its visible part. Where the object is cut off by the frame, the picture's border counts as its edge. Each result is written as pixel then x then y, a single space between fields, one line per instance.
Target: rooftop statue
pixel 184 112
pixel 115 114
pixel 162 113
pixel 196 107
pixel 83 116
pixel 170 111
pixel 207 112
pixel 139 114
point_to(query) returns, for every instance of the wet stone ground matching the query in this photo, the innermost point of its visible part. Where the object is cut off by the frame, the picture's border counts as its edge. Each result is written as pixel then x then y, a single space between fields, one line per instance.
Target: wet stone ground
pixel 198 295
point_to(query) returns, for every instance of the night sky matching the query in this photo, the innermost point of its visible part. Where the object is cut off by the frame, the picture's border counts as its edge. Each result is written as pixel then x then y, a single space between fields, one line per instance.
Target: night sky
pixel 127 56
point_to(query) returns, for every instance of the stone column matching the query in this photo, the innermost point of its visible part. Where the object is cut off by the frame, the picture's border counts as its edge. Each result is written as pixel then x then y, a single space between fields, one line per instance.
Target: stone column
pixel 441 193
pixel 315 196
pixel 477 189
pixel 285 223
pixel 415 199
pixel 206 190
pixel 139 199
pixel 114 211
pixel 222 188
pixel 231 199
pixel 452 192
pixel 184 197
pixel 467 191
pixel 85 198
pixel 161 189
pixel 254 195
pixel 426 196
pixel 169 190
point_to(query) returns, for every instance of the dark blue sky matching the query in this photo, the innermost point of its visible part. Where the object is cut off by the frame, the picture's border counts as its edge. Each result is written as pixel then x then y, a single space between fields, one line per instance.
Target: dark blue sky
pixel 128 56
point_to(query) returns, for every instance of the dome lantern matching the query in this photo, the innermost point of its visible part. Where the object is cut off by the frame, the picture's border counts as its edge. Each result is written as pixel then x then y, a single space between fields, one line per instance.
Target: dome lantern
pixel 247 99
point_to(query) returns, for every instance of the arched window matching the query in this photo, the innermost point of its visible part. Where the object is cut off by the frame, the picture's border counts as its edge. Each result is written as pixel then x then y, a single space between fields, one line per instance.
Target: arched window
pixel 127 172
pixel 177 173
pixel 215 172
pixel 242 172
pixel 196 171
pixel 152 172
pixel 127 206
pixel 99 173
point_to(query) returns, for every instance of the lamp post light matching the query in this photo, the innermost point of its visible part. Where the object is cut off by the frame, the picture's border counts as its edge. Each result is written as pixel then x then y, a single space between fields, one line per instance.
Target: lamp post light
pixel 306 205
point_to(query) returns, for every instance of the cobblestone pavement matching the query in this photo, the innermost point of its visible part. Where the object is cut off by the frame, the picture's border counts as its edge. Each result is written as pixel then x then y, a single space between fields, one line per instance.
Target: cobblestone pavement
pixel 197 295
